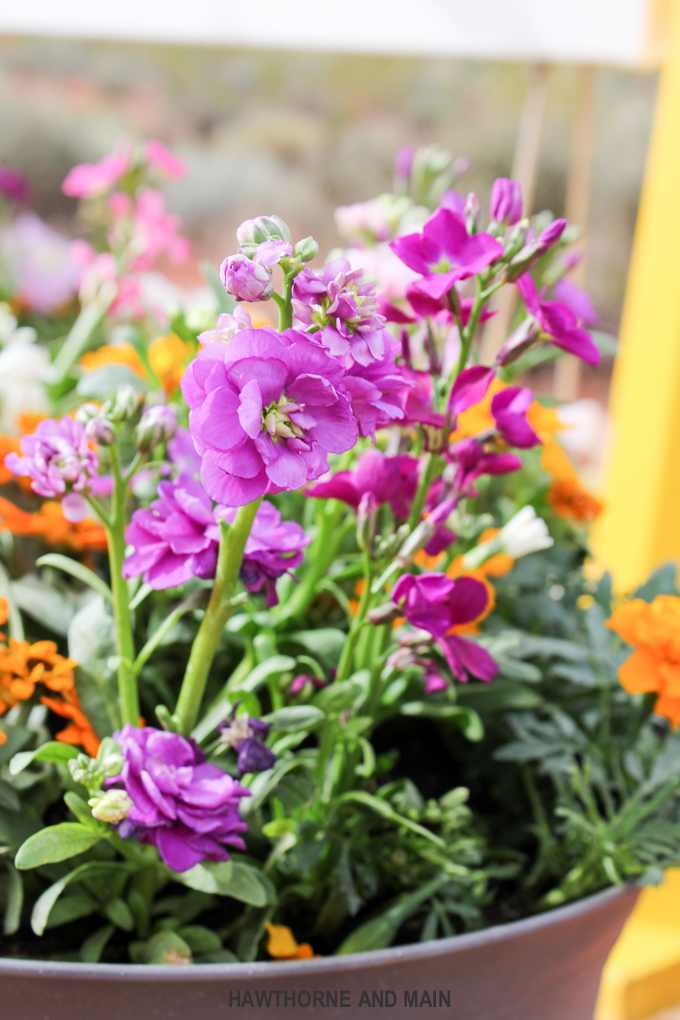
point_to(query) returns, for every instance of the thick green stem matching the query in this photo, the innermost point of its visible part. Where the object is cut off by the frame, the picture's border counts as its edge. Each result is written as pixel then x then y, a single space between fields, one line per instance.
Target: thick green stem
pixel 319 558
pixel 232 544
pixel 426 478
pixel 128 695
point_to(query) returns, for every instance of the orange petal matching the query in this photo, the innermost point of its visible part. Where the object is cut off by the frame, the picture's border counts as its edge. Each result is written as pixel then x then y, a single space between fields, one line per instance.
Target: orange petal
pixel 281 943
pixel 639 674
pixel 669 708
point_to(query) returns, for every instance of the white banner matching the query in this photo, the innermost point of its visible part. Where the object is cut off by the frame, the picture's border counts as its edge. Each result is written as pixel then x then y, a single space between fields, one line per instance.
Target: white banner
pixel 623 32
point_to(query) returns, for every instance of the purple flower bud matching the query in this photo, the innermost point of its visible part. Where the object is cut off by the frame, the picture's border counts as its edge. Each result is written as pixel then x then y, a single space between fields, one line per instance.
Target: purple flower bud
pixel 300 682
pixel 472 213
pixel 158 424
pixel 100 431
pixel 550 235
pixel 524 337
pixel 124 405
pixel 368 508
pixel 506 201
pixel 246 280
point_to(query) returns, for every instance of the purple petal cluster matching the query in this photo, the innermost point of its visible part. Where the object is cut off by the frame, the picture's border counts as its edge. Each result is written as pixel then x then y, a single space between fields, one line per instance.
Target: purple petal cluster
pixel 185 806
pixel 506 201
pixel 352 329
pixel 390 480
pixel 558 322
pixel 444 253
pixel 377 391
pixel 509 411
pixel 472 460
pixel 246 736
pixel 265 410
pixel 60 463
pixel 435 603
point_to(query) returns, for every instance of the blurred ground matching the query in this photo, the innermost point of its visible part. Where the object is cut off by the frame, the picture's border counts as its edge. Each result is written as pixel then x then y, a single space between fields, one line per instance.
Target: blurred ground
pixel 298 134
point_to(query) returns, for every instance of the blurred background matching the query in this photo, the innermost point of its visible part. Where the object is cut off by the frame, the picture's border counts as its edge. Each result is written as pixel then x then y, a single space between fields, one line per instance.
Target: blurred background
pixel 299 133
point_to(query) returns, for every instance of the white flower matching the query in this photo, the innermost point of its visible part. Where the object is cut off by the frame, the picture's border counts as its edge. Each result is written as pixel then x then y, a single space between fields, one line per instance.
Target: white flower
pixel 112 806
pixel 25 368
pixel 524 533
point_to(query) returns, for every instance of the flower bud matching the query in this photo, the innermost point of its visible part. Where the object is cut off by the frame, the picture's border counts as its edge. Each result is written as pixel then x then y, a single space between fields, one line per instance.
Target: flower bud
pixel 262 228
pixel 506 202
pixel 246 280
pixel 518 343
pixel 157 424
pixel 306 249
pixel 473 213
pixel 366 515
pixel 100 431
pixel 111 806
pixel 516 239
pixel 86 412
pixel 524 533
pixel 551 235
pixel 125 404
pixel 384 614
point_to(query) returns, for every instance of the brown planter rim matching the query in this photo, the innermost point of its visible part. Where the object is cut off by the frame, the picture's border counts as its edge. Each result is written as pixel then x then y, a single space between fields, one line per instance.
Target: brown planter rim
pixel 327 964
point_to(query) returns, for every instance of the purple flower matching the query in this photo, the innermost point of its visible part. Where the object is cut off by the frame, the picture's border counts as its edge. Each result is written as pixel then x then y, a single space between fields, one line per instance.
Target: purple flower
pixel 576 300
pixel 509 410
pixel 301 681
pixel 473 460
pixel 182 453
pixel 550 236
pixel 444 253
pixel 558 322
pixel 245 279
pixel 246 736
pixel 58 460
pixel 14 184
pixel 352 329
pixel 506 201
pixel 418 404
pixel 403 163
pixel 183 805
pixel 390 480
pixel 227 326
pixel 274 547
pixel 176 539
pixel 469 388
pixel 265 411
pixel 376 391
pixel 44 265
pixel 157 424
pixel 435 603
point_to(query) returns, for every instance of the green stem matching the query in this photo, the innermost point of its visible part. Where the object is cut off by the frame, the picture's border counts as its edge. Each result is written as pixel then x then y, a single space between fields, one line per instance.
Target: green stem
pixel 232 544
pixel 91 316
pixel 468 334
pixel 424 482
pixel 285 303
pixel 320 556
pixel 128 695
pixel 345 664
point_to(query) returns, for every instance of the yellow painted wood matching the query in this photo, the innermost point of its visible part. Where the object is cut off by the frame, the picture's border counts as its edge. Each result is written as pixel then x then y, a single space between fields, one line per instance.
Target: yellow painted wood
pixel 642 975
pixel 640 527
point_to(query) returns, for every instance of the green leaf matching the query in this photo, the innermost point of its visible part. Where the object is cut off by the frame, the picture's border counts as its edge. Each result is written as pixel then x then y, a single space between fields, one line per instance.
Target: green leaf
pixel 119 914
pixel 500 696
pixel 15 900
pixel 50 607
pixel 227 878
pixel 55 843
pixel 17 826
pixel 76 569
pixel 168 948
pixel 8 797
pixel 338 697
pixel 225 301
pixel 466 718
pixel 83 813
pixel 380 931
pixel 94 945
pixel 278 828
pixel 200 939
pixel 104 381
pixel 295 717
pixel 276 664
pixel 92 643
pixel 54 751
pixel 385 810
pixel 43 905
pixel 324 642
pixel 662 582
pixel 71 908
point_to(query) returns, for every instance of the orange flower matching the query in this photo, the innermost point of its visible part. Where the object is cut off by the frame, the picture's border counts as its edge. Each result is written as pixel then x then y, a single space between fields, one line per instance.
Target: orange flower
pixel 574 503
pixel 282 944
pixel 29 421
pixel 114 354
pixel 8 444
pixel 478 418
pixel 169 357
pixel 79 732
pixel 49 524
pixel 654 631
pixel 4 611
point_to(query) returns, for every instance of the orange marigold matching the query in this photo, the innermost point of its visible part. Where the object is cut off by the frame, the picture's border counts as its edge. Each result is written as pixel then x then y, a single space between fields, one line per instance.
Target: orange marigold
pixel 282 944
pixel 49 524
pixel 79 731
pixel 169 357
pixel 571 501
pixel 114 354
pixel 653 629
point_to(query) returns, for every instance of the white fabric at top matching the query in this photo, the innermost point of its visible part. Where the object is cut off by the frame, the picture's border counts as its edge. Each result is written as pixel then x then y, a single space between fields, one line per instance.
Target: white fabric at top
pixel 597 31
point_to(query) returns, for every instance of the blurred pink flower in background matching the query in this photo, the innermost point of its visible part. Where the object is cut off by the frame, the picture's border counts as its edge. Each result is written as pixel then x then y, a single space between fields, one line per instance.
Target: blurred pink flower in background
pixel 45 272
pixel 162 159
pixel 90 179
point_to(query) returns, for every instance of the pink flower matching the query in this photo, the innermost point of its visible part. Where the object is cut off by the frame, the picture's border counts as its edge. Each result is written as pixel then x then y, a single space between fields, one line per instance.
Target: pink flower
pixel 155 232
pixel 42 263
pixel 558 322
pixel 390 480
pixel 162 159
pixel 90 179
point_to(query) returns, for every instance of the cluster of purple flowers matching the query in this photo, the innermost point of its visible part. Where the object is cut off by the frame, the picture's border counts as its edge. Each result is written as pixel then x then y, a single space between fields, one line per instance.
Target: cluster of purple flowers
pixel 182 804
pixel 177 538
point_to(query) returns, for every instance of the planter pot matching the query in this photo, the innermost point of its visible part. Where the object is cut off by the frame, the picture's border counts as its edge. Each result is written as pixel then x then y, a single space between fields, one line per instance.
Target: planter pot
pixel 543 968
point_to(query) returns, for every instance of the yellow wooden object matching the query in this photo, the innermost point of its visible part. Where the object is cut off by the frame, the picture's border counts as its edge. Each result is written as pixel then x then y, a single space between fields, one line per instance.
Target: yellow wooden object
pixel 642 976
pixel 640 528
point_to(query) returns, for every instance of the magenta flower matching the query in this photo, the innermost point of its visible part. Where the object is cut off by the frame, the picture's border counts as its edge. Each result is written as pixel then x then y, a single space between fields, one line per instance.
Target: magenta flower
pixel 185 806
pixel 245 279
pixel 89 179
pixel 473 460
pixel 182 453
pixel 577 300
pixel 558 323
pixel 509 410
pixel 352 329
pixel 506 201
pixel 469 388
pixel 265 410
pixel 435 603
pixel 14 184
pixel 246 736
pixel 426 307
pixel 176 539
pixel 58 460
pixel 445 254
pixel 550 236
pixel 274 548
pixel 390 480
pixel 160 157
